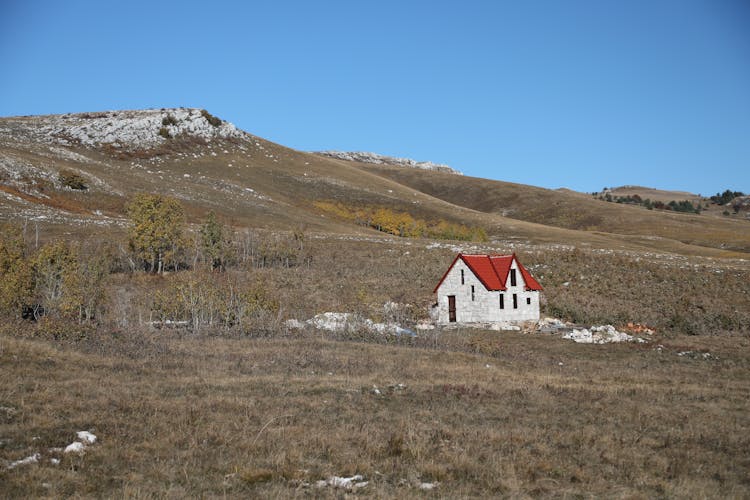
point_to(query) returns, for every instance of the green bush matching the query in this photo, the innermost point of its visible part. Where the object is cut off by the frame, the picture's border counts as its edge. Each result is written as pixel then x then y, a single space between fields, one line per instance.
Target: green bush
pixel 165 133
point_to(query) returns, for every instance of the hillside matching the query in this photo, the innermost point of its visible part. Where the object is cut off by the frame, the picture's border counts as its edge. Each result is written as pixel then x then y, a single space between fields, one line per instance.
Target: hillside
pixel 571 210
pixel 209 164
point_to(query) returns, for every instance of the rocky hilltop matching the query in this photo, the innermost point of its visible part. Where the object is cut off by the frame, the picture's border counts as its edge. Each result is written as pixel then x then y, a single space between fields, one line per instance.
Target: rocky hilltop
pixel 139 129
pixel 377 159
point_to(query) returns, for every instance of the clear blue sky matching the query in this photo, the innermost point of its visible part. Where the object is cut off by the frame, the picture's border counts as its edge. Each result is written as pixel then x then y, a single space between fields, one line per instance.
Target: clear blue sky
pixel 580 94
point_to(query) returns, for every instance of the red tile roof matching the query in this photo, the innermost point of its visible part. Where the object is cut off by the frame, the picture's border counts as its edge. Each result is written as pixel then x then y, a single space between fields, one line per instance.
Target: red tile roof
pixel 492 271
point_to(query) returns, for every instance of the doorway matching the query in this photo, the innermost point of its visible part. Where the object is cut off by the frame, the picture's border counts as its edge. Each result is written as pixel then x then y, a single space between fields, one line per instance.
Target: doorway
pixel 451 308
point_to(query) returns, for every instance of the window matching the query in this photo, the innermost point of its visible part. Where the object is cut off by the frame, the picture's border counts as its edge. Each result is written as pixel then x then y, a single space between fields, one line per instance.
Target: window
pixel 515 301
pixel 472 293
pixel 528 301
pixel 502 301
pixel 512 277
pixel 462 276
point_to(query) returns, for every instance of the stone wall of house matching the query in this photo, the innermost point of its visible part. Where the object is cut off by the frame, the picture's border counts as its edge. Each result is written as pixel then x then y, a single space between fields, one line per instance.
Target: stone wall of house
pixel 485 305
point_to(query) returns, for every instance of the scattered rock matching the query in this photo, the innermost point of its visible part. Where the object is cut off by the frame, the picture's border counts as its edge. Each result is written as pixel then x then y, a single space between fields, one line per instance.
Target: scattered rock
pixel 599 335
pixel 343 322
pixel 347 483
pixel 86 437
pixel 377 159
pixel 25 461
pixel 75 447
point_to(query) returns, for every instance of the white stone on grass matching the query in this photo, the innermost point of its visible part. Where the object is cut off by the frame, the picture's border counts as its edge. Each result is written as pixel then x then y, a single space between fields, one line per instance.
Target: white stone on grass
pixel 25 461
pixel 86 437
pixel 75 447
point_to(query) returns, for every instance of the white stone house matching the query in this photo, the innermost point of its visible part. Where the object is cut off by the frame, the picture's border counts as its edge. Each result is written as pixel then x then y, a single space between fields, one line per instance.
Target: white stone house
pixel 487 289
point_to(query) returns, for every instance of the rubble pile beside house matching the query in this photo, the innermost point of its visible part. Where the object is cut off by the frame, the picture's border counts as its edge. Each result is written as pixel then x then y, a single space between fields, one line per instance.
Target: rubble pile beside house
pixel 596 334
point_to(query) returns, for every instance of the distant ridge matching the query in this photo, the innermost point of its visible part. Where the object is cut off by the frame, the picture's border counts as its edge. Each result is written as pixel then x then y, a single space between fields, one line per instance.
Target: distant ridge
pixel 377 159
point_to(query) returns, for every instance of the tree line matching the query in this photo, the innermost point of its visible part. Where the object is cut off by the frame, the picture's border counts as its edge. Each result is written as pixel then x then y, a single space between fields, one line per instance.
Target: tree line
pixel 676 206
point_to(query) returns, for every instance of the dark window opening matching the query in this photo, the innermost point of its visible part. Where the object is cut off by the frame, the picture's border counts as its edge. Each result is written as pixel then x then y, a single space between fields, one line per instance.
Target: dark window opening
pixel 472 293
pixel 515 301
pixel 528 300
pixel 502 301
pixel 462 276
pixel 512 277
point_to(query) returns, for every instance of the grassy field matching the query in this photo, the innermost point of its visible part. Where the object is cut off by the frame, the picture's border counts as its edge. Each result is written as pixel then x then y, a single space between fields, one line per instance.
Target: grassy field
pixel 529 415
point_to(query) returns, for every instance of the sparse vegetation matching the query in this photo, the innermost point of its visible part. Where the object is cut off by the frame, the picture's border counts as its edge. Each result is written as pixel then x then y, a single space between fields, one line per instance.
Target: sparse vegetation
pixel 213 120
pixel 401 223
pixel 164 132
pixel 72 180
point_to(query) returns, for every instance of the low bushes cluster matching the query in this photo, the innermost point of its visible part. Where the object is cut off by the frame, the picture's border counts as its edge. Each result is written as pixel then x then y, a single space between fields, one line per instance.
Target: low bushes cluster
pixel 402 223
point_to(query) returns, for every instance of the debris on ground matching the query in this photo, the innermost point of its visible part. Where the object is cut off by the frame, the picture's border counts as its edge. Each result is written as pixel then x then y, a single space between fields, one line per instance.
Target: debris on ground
pixel 84 439
pixel 598 334
pixel 343 322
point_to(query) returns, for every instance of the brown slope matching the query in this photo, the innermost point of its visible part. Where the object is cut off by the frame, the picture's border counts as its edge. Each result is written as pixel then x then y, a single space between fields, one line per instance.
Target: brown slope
pixel 571 210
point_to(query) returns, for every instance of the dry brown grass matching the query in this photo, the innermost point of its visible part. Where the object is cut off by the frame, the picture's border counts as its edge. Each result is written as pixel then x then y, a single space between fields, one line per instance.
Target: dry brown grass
pixel 566 209
pixel 198 416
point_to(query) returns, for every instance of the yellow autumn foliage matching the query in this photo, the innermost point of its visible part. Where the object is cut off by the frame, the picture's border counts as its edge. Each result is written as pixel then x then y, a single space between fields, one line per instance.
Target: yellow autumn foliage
pixel 401 224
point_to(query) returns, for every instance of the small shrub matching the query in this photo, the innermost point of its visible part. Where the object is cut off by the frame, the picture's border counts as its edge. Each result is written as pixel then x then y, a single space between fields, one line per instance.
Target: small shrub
pixel 72 180
pixel 213 120
pixel 165 133
pixel 169 120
